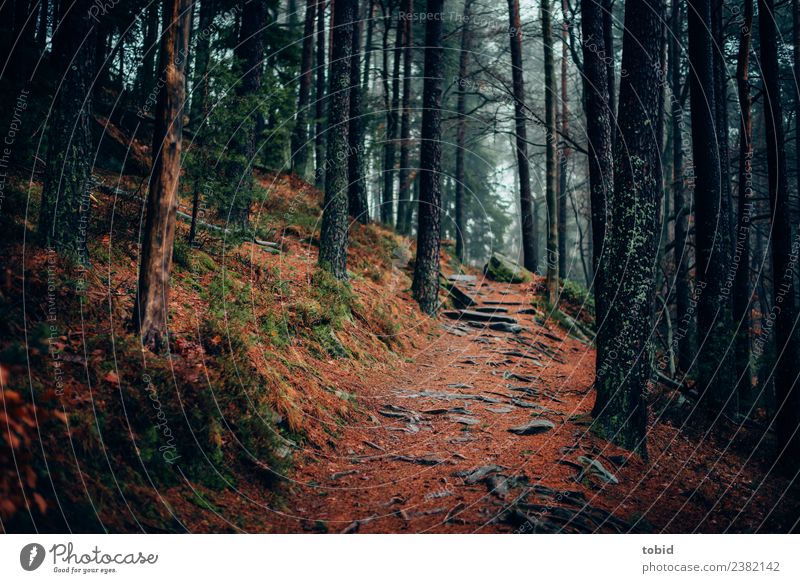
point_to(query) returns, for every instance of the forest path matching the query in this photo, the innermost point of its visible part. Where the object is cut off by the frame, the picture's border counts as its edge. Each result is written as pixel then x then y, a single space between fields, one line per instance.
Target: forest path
pixel 479 433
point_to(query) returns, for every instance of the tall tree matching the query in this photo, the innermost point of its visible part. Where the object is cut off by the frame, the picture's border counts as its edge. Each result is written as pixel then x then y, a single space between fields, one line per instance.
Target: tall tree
pixel 599 132
pixel 425 286
pixel 392 119
pixel 551 169
pixel 319 139
pixel 784 251
pixel 152 297
pixel 530 251
pixel 461 129
pixel 712 232
pixel 65 206
pixel 684 317
pixel 623 361
pixel 300 133
pixel 404 207
pixel 333 238
pixel 357 187
pixel 609 57
pixel 741 292
pixel 563 149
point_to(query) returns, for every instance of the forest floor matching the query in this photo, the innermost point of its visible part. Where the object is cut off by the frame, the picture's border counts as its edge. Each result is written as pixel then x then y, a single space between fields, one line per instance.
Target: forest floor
pixel 436 449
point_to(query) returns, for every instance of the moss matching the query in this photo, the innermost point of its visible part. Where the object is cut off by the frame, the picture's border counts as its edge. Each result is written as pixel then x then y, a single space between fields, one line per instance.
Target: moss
pixel 501 268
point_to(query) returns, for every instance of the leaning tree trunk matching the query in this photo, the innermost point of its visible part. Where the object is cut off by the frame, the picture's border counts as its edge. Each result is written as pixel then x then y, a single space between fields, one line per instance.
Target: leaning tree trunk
pixel 152 299
pixel 319 139
pixel 624 364
pixel 357 187
pixel 300 133
pixel 599 132
pixel 461 130
pixel 530 251
pixel 404 176
pixel 551 168
pixel 65 205
pixel 333 238
pixel 711 224
pixel 741 291
pixel 683 314
pixel 425 286
pixel 784 250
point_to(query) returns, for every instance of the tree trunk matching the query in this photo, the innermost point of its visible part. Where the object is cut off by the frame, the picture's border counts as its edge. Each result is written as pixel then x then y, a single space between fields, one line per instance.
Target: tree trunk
pixel 388 206
pixel 623 340
pixel 404 194
pixel 357 187
pixel 461 129
pixel 609 56
pixel 599 133
pixel 711 224
pixel 742 288
pixel 319 140
pixel 425 287
pixel 530 251
pixel 333 238
pixel 551 170
pixel 151 309
pixel 300 134
pixel 784 250
pixel 563 151
pixel 685 327
pixel 66 205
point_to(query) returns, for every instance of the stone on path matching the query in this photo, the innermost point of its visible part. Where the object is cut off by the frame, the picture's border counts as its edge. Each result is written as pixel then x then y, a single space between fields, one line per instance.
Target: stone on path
pixel 533 427
pixel 504 269
pixel 595 468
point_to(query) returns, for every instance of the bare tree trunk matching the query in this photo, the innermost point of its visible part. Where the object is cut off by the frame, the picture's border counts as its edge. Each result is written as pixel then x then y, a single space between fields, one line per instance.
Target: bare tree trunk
pixel 392 124
pixel 319 140
pixel 333 237
pixel 563 150
pixel 65 206
pixel 357 187
pixel 151 309
pixel 300 134
pixel 530 251
pixel 599 119
pixel 609 55
pixel 742 288
pixel 784 250
pixel 404 206
pixel 425 286
pixel 712 228
pixel 624 365
pixel 551 171
pixel 461 129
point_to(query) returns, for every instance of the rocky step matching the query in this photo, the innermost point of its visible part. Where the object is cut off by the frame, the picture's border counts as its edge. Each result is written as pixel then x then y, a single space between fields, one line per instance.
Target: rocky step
pixel 475 316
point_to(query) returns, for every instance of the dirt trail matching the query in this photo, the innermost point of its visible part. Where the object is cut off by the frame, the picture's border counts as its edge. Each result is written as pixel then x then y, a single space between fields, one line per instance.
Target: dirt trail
pixel 487 431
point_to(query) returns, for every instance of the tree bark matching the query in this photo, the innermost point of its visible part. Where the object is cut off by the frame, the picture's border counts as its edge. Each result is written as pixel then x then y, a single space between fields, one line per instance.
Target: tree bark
pixel 300 133
pixel 563 150
pixel 151 309
pixel 425 286
pixel 530 251
pixel 624 364
pixel 389 149
pixel 461 129
pixel 404 177
pixel 551 169
pixel 712 227
pixel 66 205
pixel 600 142
pixel 333 238
pixel 784 250
pixel 742 288
pixel 357 187
pixel 319 140
pixel 609 55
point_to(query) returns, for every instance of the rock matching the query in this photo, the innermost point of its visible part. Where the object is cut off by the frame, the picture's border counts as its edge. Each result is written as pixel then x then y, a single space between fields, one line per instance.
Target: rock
pixel 518 377
pixel 491 310
pixel 426 460
pixel 504 269
pixel 461 299
pixel 462 278
pixel 460 386
pixel 504 327
pixel 533 427
pixel 475 316
pixel 463 420
pixel 475 475
pixel 501 410
pixel 595 468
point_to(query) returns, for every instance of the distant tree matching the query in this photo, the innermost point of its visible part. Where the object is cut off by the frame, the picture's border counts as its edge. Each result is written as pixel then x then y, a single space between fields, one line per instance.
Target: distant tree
pixel 65 208
pixel 357 187
pixel 461 129
pixel 404 206
pixel 152 297
pixel 333 238
pixel 784 251
pixel 300 133
pixel 425 286
pixel 551 170
pixel 563 148
pixel 319 139
pixel 623 339
pixel 530 251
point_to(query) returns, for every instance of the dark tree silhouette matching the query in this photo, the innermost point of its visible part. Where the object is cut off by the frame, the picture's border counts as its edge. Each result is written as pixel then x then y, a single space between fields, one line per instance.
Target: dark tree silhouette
pixel 551 163
pixel 319 139
pixel 357 187
pixel 461 129
pixel 300 133
pixel 404 206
